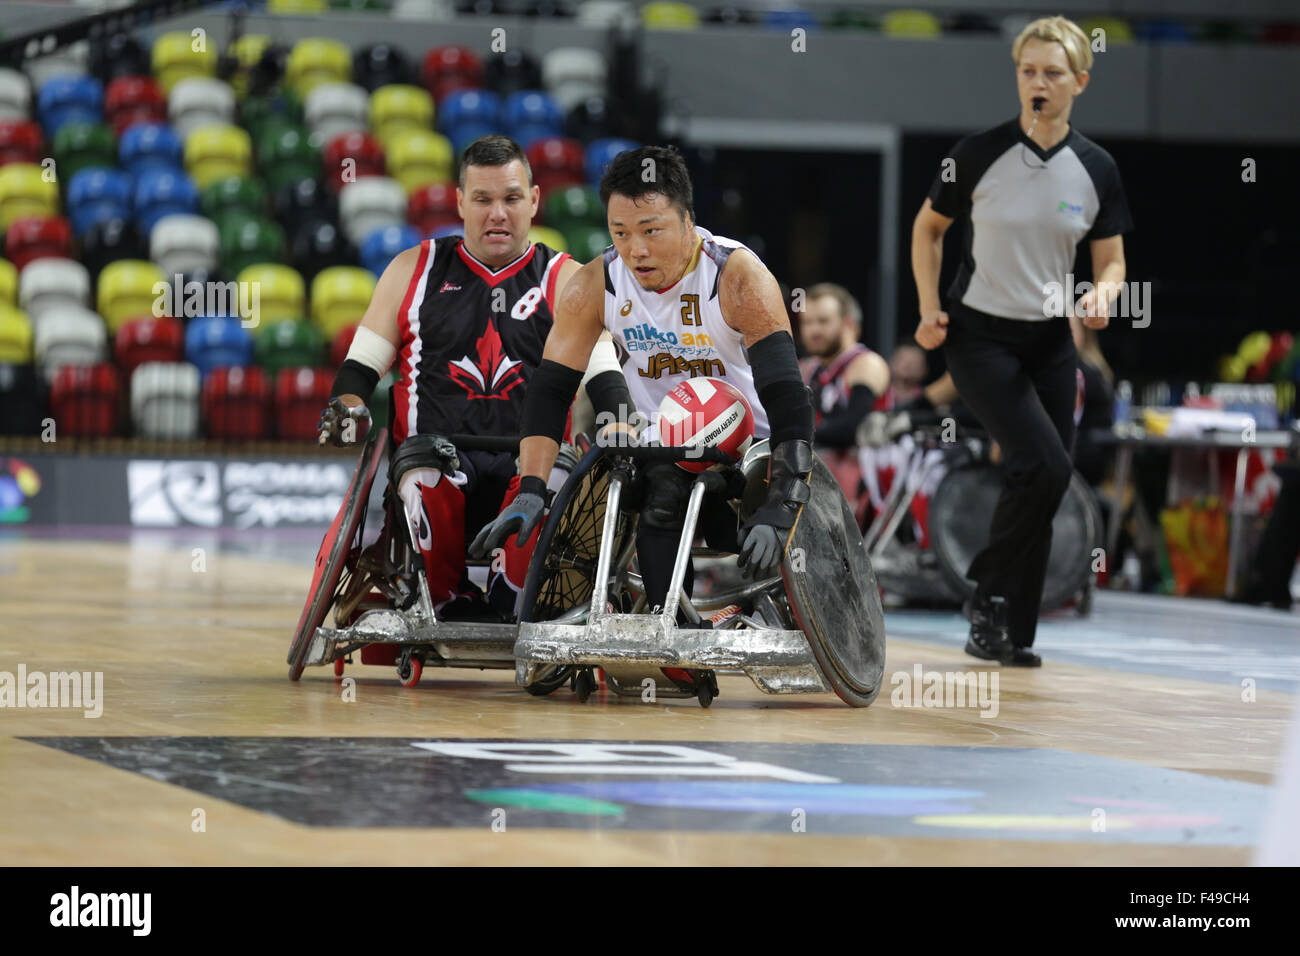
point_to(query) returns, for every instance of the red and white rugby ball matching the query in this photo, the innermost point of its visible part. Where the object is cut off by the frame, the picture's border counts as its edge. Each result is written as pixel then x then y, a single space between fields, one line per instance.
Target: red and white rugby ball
pixel 709 413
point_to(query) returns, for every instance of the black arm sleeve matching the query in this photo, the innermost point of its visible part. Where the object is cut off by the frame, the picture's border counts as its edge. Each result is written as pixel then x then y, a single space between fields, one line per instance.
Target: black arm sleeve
pixel 840 430
pixel 354 378
pixel 546 406
pixel 610 397
pixel 780 388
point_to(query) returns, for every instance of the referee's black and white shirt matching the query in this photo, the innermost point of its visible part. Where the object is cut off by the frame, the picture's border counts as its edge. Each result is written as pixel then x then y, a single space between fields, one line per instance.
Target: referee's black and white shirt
pixel 1028 210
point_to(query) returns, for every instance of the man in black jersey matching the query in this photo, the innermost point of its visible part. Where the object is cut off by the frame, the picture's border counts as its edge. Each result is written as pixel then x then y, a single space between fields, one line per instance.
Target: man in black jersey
pixel 466 321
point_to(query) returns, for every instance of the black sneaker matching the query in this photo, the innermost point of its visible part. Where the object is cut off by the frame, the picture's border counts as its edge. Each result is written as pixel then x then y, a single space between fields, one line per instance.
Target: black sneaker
pixel 1021 657
pixel 988 627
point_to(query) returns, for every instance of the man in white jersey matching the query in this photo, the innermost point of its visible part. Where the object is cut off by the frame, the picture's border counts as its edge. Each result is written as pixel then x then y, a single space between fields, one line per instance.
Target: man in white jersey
pixel 679 303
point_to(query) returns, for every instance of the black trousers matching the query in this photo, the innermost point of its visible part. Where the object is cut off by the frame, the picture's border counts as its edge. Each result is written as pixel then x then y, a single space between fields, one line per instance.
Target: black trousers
pixel 1270 578
pixel 1018 377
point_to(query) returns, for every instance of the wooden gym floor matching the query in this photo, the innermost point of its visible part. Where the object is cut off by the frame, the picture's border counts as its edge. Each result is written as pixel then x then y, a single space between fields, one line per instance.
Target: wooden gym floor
pixel 1150 738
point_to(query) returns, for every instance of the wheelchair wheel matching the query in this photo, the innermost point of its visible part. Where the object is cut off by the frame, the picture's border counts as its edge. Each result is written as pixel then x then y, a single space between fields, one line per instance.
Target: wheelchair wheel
pixel 562 574
pixel 336 551
pixel 960 514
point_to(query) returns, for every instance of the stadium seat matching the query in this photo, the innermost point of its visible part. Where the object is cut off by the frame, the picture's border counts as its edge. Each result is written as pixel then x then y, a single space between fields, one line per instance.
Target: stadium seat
pixel 109 240
pixel 84 400
pixel 548 237
pixel 129 100
pixel 468 107
pixel 285 156
pixel 27 240
pixel 15 95
pixel 217 341
pixel 8 283
pixel 80 145
pixel 1115 30
pixel 340 344
pixel 315 61
pixel 398 108
pixel 159 194
pixel 424 11
pixel 300 394
pixel 174 58
pixel 448 231
pixel 288 344
pixel 22 400
pixel 233 193
pixel 512 71
pixel 71 336
pixel 572 74
pixel 786 19
pixel 199 101
pixel 69 99
pixel 607 14
pixel 263 116
pixel 24 193
pixel 247 241
pixel 420 157
pixel 217 152
pixel 52 284
pixel 370 203
pixel 339 297
pixel 296 8
pixel 147 147
pixel 662 15
pixel 165 400
pixel 303 202
pixel 126 290
pixel 318 245
pixel 97 194
pixel 450 68
pixel 281 294
pixel 376 65
pixel 247 52
pixel 350 156
pixel 586 242
pixel 148 339
pixel 182 243
pixel 531 115
pixel 236 404
pixel 590 120
pixel 432 206
pixel 15 336
pixel 118 55
pixel 70 61
pixel 382 245
pixel 971 23
pixel 463 135
pixel 600 153
pixel 335 108
pixel 20 142
pixel 573 206
pixel 1163 31
pixel 910 24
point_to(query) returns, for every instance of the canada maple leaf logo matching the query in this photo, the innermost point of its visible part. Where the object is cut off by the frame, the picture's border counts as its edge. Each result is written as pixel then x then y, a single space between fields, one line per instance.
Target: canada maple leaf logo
pixel 493 374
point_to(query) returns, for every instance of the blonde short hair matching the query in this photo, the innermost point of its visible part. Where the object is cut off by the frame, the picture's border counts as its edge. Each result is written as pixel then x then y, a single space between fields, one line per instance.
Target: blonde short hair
pixel 849 308
pixel 1058 30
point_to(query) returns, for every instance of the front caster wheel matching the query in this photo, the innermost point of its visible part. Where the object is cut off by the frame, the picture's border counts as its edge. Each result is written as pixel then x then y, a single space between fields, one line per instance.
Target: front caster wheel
pixel 409 670
pixel 584 682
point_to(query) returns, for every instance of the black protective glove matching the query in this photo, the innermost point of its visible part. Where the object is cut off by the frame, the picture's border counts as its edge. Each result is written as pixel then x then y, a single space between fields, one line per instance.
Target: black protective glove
pixel 333 419
pixel 764 536
pixel 524 513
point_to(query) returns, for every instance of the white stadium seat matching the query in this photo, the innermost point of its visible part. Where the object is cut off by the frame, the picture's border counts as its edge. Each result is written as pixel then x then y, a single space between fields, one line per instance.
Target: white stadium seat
pixel 199 101
pixel 573 75
pixel 165 400
pixel 70 335
pixel 51 283
pixel 335 108
pixel 15 95
pixel 182 243
pixel 370 203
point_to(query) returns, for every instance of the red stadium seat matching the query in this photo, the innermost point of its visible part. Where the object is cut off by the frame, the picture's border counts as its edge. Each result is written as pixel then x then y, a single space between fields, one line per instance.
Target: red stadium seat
pixel 341 343
pixel 552 155
pixel 433 206
pixel 148 339
pixel 450 68
pixel 134 99
pixel 32 238
pixel 300 395
pixel 20 142
pixel 236 403
pixel 362 148
pixel 84 400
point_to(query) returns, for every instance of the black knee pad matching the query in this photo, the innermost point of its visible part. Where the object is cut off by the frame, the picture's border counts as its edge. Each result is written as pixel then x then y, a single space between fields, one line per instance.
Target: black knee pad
pixel 667 489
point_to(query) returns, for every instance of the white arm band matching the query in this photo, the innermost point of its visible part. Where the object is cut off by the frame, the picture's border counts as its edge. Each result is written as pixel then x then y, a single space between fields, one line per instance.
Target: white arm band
pixel 372 350
pixel 603 358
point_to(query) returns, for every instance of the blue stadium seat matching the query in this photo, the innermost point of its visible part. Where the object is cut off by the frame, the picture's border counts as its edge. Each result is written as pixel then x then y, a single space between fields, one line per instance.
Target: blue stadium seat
pixel 465 107
pixel 67 99
pixel 150 146
pixel 218 341
pixel 161 193
pixel 381 245
pixel 599 155
pixel 533 108
pixel 95 195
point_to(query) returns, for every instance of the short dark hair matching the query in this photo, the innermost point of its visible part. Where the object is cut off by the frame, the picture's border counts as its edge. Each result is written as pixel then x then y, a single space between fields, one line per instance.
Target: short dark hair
pixel 493 150
pixel 629 175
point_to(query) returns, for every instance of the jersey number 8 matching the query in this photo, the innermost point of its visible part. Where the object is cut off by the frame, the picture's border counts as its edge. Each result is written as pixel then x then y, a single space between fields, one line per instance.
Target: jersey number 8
pixel 527 304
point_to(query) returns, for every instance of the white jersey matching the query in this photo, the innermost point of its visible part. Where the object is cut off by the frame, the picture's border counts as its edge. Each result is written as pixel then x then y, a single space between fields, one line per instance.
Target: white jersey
pixel 668 335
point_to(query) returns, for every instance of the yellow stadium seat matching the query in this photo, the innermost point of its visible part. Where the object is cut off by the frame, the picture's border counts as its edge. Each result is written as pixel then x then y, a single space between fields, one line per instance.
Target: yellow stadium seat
pixel 1114 29
pixel 315 61
pixel 25 192
pixel 175 58
pixel 296 7
pixel 339 297
pixel 670 16
pixel 548 237
pixel 247 51
pixel 397 107
pixel 911 24
pixel 281 293
pixel 217 152
pixel 419 157
pixel 126 290
pixel 8 283
pixel 15 336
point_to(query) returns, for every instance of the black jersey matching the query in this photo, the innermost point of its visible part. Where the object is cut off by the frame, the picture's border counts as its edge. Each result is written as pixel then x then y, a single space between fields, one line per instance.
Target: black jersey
pixel 471 337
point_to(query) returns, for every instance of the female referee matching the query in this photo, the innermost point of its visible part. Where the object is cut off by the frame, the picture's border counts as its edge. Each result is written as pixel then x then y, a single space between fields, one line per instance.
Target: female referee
pixel 1032 189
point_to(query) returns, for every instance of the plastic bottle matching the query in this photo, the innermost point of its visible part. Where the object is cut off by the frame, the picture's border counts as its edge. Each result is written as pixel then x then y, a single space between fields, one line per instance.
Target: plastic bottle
pixel 1123 408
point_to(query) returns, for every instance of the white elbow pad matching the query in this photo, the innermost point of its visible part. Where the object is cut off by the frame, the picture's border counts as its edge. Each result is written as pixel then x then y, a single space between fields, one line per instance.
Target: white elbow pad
pixel 372 350
pixel 604 358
